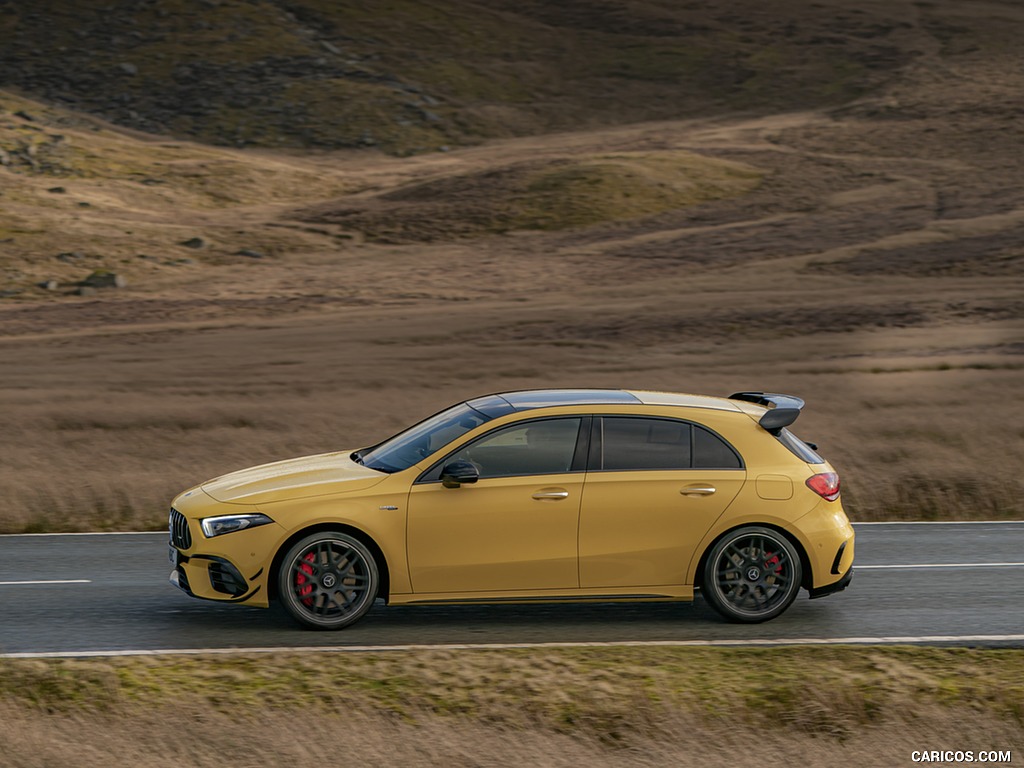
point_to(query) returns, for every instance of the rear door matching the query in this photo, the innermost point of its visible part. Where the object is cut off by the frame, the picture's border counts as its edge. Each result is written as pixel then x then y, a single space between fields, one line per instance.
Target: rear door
pixel 654 487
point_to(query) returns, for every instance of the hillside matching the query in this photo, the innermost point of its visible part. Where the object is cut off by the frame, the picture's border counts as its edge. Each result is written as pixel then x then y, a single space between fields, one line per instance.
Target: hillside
pixel 408 76
pixel 853 235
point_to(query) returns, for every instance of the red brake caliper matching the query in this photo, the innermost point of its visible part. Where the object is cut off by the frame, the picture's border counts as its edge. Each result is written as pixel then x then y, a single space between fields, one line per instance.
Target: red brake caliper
pixel 773 560
pixel 302 582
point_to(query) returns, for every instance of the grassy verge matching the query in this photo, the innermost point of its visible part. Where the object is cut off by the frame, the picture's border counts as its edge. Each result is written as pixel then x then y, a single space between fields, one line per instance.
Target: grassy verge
pixel 553 707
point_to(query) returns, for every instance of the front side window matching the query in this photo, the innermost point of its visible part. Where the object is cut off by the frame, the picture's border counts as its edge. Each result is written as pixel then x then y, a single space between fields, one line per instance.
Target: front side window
pixel 540 447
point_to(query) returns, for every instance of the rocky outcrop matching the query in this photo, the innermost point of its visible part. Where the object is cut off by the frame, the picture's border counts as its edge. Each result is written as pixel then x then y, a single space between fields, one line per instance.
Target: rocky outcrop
pixel 104 279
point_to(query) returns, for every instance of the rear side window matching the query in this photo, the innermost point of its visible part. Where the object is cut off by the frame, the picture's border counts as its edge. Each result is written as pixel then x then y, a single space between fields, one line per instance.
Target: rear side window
pixel 624 443
pixel 645 444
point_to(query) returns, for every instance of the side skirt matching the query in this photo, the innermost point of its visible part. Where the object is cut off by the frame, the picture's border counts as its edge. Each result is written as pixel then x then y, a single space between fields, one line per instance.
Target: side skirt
pixel 663 594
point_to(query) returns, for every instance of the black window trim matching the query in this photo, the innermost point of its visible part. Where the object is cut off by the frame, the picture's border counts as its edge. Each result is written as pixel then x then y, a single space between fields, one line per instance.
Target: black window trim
pixel 577 466
pixel 597 444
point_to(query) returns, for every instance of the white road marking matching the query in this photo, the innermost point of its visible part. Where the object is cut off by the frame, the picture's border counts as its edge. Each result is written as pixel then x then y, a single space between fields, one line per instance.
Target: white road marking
pixel 886 640
pixel 942 522
pixel 49 581
pixel 939 565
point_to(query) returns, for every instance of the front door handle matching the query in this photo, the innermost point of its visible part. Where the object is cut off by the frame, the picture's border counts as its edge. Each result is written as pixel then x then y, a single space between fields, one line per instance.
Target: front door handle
pixel 698 490
pixel 551 494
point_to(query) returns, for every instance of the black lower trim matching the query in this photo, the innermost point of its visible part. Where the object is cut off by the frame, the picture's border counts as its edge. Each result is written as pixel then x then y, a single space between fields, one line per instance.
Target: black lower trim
pixel 829 589
pixel 180 580
pixel 839 557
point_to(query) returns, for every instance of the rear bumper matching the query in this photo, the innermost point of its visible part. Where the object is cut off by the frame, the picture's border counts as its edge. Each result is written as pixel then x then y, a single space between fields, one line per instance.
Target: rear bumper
pixel 837 586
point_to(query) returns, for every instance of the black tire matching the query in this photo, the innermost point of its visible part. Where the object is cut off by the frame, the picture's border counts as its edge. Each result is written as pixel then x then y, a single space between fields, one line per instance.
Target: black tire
pixel 328 580
pixel 752 574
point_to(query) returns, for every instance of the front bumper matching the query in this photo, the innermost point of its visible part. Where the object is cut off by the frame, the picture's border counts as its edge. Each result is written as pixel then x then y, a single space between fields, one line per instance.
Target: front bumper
pixel 230 568
pixel 210 577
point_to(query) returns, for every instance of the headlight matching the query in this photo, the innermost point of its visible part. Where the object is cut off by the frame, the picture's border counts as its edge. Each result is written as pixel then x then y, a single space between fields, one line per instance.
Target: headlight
pixel 215 526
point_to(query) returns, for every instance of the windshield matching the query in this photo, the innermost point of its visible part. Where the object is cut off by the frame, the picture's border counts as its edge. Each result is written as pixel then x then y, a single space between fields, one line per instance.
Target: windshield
pixel 418 442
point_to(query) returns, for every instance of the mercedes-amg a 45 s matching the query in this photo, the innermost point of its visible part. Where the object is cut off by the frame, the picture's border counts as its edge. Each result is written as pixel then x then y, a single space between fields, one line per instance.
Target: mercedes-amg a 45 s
pixel 546 495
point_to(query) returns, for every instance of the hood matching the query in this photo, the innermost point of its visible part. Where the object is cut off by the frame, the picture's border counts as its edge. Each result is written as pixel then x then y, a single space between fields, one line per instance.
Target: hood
pixel 293 479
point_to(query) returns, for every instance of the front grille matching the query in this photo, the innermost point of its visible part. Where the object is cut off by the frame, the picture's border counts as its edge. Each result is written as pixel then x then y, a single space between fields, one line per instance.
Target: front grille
pixel 181 536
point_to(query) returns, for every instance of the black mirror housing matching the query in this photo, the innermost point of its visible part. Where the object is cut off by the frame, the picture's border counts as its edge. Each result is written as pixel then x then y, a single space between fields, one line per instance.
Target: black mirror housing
pixel 459 473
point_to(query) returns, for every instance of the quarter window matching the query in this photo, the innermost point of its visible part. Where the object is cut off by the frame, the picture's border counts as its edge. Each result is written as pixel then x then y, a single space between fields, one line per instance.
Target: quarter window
pixel 712 452
pixel 799 447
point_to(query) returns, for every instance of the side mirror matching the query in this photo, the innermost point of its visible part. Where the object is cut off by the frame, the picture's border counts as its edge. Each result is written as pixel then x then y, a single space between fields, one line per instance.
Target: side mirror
pixel 459 472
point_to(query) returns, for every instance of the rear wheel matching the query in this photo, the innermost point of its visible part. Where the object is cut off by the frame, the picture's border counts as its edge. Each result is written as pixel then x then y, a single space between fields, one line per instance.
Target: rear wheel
pixel 328 580
pixel 752 574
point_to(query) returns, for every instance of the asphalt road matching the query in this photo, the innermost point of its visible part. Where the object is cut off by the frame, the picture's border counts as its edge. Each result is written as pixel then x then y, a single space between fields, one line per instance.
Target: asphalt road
pixel 929 583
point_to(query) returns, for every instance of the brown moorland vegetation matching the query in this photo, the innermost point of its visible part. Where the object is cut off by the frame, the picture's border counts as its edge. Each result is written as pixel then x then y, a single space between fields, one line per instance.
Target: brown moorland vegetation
pixel 409 76
pixel 865 253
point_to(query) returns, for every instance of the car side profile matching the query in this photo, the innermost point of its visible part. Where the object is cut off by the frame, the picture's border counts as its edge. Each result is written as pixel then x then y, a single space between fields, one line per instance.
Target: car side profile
pixel 537 495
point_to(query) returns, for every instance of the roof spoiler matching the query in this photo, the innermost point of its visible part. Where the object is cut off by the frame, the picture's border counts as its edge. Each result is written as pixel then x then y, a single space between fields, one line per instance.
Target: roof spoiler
pixel 783 408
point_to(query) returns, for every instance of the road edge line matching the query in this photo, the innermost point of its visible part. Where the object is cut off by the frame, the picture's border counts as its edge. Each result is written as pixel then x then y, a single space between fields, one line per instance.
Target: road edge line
pixel 750 643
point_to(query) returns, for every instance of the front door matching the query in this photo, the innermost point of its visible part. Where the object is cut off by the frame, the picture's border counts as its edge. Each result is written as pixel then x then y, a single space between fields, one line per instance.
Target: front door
pixel 514 529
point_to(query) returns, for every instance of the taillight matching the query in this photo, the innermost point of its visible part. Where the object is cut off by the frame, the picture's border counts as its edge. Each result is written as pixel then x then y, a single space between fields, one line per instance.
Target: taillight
pixel 825 485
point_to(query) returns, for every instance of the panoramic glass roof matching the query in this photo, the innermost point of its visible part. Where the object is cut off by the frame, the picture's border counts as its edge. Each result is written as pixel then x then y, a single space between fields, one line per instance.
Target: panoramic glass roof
pixel 508 402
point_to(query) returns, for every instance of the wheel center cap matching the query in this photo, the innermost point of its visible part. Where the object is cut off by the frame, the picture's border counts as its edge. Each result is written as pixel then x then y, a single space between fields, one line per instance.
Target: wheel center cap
pixel 328 580
pixel 753 574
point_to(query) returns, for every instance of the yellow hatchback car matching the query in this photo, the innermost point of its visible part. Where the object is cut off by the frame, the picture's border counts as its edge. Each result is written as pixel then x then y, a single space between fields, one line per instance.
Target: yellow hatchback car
pixel 545 495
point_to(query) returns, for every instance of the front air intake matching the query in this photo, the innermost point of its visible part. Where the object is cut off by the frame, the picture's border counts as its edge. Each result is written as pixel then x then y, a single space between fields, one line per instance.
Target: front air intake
pixel 224 577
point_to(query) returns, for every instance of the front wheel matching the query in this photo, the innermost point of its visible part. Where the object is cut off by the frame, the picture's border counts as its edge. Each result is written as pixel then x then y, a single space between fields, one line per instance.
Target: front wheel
pixel 328 580
pixel 752 574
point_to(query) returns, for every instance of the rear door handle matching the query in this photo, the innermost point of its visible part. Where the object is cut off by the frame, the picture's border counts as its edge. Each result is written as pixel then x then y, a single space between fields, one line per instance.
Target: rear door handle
pixel 698 490
pixel 551 494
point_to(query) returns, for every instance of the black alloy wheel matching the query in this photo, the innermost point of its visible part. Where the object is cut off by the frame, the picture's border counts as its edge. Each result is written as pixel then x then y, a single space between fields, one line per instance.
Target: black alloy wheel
pixel 328 580
pixel 752 574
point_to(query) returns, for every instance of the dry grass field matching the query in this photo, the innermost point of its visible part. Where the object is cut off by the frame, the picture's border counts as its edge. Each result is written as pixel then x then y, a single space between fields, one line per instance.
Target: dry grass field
pixel 865 252
pixel 885 289
pixel 597 707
